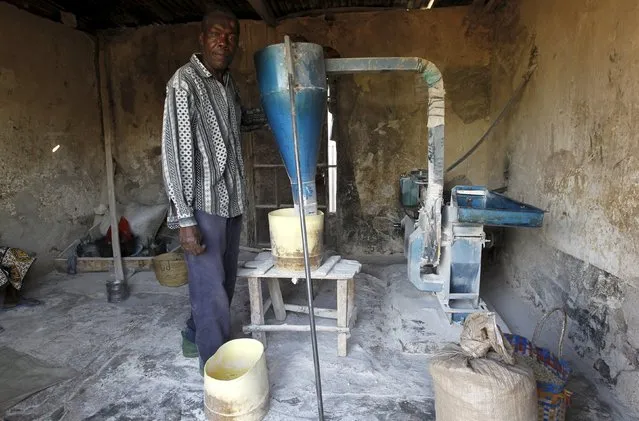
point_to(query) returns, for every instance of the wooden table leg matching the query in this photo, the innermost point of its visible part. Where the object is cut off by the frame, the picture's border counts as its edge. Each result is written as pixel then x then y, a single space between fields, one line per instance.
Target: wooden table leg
pixel 342 316
pixel 257 307
pixel 276 298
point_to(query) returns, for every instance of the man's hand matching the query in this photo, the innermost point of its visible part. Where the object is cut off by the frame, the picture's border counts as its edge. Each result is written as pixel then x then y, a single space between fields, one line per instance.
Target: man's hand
pixel 191 240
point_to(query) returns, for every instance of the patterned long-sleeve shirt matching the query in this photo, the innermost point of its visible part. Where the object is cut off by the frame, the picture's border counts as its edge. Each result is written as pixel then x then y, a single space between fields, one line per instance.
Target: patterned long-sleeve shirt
pixel 201 145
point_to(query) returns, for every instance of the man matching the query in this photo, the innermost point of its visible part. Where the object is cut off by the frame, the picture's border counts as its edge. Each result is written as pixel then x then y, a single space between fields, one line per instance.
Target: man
pixel 204 177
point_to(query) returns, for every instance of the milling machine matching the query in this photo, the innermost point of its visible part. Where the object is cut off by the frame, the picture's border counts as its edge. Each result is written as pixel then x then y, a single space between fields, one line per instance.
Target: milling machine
pixel 443 240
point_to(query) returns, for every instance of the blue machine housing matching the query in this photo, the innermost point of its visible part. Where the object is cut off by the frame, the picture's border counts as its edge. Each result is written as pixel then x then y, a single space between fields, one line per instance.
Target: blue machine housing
pixel 456 280
pixel 477 205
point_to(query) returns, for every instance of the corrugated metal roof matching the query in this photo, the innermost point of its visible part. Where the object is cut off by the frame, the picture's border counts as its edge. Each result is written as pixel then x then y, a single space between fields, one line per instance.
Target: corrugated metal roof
pixel 92 15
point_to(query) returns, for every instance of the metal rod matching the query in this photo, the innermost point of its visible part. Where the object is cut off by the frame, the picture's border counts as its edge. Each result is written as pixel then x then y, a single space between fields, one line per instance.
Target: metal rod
pixel 307 266
pixel 294 328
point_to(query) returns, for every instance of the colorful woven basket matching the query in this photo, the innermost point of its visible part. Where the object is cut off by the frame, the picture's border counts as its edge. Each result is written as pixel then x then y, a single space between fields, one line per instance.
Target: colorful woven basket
pixel 553 398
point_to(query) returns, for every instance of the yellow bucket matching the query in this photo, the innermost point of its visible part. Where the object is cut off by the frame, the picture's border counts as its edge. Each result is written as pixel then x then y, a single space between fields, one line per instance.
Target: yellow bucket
pixel 286 239
pixel 236 385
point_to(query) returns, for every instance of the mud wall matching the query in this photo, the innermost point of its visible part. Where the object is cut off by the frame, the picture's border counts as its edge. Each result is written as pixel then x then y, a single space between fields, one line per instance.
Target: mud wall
pixel 573 146
pixel 48 97
pixel 381 119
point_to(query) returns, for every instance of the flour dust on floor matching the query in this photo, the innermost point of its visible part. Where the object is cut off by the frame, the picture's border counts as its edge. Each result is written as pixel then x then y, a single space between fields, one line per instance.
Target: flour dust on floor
pixel 130 364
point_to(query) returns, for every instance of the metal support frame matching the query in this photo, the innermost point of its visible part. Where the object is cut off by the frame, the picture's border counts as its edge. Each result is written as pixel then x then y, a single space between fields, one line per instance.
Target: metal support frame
pixel 460 278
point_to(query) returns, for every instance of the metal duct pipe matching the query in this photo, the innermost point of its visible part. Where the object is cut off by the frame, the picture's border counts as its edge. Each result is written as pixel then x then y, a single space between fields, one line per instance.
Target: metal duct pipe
pixel 430 214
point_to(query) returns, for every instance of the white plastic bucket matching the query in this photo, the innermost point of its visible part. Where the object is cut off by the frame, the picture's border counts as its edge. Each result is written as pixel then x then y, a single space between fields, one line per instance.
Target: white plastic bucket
pixel 286 239
pixel 236 385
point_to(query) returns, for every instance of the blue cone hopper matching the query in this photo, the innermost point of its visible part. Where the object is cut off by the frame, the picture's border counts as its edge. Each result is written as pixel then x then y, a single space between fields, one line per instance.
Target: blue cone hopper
pixel 310 104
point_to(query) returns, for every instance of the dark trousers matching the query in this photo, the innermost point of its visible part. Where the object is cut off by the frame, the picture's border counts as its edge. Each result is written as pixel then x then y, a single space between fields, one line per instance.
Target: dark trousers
pixel 212 277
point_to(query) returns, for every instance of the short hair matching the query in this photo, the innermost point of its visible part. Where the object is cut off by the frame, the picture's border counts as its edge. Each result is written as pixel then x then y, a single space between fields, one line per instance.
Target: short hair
pixel 215 9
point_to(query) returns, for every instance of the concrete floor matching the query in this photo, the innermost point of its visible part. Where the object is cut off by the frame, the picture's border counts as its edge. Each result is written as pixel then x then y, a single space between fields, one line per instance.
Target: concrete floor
pixel 131 366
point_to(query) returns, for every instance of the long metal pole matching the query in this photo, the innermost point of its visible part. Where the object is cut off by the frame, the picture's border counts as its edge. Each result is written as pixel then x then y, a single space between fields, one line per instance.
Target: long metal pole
pixel 307 266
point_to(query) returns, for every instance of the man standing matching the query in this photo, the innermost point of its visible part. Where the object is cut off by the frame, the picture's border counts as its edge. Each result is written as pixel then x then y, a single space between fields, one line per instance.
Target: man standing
pixel 204 177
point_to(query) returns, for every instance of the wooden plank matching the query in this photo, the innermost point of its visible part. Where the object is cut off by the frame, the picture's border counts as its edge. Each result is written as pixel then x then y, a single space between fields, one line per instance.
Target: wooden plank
pixel 326 313
pixel 263 256
pixel 257 307
pixel 108 132
pixel 264 10
pixel 349 266
pixel 267 304
pixel 251 249
pixel 256 329
pixel 264 267
pixel 326 267
pixel 342 316
pixel 104 264
pixel 257 267
pixel 277 300
pixel 342 269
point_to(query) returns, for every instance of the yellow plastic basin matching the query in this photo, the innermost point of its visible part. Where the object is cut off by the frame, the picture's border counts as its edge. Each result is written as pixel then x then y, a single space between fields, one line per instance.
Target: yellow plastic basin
pixel 286 239
pixel 236 385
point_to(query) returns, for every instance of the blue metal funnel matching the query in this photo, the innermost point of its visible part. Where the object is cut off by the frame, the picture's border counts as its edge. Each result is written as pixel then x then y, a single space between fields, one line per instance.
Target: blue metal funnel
pixel 310 107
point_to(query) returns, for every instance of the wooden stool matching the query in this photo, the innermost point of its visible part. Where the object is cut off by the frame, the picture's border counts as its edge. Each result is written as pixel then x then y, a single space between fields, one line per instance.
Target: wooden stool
pixel 334 269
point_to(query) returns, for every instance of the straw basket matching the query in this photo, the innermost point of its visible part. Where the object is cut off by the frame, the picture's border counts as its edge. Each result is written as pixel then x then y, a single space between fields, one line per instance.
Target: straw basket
pixel 553 398
pixel 170 269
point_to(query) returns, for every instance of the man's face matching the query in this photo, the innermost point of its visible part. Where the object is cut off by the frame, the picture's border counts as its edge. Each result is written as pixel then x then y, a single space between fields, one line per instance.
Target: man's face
pixel 219 42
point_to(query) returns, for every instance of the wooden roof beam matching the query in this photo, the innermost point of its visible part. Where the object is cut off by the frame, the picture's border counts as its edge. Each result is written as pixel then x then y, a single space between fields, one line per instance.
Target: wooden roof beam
pixel 262 8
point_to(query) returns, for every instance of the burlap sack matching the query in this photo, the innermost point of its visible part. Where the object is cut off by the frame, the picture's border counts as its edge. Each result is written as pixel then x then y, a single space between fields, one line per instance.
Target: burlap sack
pixel 479 379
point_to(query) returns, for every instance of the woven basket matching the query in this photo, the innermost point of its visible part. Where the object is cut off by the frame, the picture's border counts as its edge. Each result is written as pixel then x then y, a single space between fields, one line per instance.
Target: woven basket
pixel 170 269
pixel 553 399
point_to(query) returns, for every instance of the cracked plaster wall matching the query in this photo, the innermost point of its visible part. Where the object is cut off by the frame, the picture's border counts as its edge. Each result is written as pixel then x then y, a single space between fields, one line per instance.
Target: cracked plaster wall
pixel 48 97
pixel 572 146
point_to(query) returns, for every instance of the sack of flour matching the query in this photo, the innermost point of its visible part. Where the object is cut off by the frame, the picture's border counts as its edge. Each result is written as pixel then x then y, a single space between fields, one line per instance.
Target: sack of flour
pixel 479 379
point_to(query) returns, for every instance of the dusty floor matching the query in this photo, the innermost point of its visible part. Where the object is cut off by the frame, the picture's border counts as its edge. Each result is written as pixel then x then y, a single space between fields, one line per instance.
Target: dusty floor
pixel 131 366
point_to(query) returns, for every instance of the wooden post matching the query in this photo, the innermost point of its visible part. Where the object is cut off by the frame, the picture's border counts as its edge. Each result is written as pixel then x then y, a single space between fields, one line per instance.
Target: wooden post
pixel 326 313
pixel 251 212
pixel 108 132
pixel 276 297
pixel 257 307
pixel 342 316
